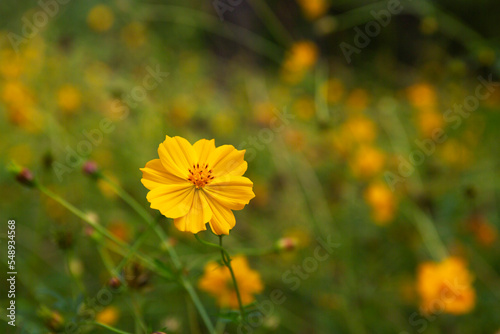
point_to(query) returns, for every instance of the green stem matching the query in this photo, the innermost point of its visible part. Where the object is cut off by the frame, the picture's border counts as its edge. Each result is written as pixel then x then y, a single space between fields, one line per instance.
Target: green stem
pixel 274 25
pixel 427 231
pixel 193 319
pixel 164 240
pixel 81 215
pixel 140 326
pixel 115 330
pixel 133 249
pixel 120 245
pixel 146 216
pixel 226 259
pixel 108 263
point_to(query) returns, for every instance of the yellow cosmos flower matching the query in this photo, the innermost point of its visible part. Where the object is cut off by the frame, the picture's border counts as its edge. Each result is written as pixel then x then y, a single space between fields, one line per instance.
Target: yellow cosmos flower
pixel 313 9
pixel 300 58
pixel 367 161
pixel 108 316
pixel 422 96
pixel 198 184
pixel 100 18
pixel 382 201
pixel 69 98
pixel 217 281
pixel 446 287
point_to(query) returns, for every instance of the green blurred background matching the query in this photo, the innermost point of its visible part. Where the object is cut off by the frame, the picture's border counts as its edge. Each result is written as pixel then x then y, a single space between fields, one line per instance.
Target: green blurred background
pixel 72 88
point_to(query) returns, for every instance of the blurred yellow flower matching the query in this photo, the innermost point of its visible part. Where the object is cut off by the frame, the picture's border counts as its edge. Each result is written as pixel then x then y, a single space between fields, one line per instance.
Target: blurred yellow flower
pixel 304 108
pixel 300 58
pixel 196 184
pixel 12 66
pixel 264 113
pixel 382 201
pixel 106 189
pixel 134 34
pixel 69 98
pixel 445 287
pixel 100 18
pixel 313 9
pixel 429 121
pixel 217 281
pixel 361 128
pixel 368 161
pixel 108 316
pixel 15 93
pixel 20 105
pixel 422 96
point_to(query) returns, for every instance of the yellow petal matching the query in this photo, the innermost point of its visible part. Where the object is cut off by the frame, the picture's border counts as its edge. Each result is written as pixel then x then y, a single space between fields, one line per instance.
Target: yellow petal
pixel 155 175
pixel 197 217
pixel 203 149
pixel 233 192
pixel 173 200
pixel 227 160
pixel 222 219
pixel 177 156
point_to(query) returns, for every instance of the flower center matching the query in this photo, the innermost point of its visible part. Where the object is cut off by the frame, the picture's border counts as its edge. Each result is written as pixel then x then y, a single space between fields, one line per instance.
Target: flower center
pixel 200 176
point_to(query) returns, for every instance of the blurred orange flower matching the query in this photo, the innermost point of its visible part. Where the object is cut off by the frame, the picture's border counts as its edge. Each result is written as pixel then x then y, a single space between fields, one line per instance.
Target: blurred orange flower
pixel 313 9
pixel 196 184
pixel 217 282
pixel 368 161
pixel 69 98
pixel 108 316
pixel 422 96
pixel 382 201
pixel 301 57
pixel 446 287
pixel 100 18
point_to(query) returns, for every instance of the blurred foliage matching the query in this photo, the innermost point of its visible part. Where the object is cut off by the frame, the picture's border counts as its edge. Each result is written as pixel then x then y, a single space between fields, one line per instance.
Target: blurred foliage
pixel 321 136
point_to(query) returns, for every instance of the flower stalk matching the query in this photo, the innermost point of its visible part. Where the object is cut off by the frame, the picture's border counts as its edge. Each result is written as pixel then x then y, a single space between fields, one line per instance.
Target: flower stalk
pixel 186 284
pixel 226 260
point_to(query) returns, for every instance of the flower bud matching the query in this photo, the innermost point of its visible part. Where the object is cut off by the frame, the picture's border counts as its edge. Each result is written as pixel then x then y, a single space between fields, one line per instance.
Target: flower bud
pixel 53 320
pixel 286 244
pixel 90 168
pixel 114 283
pixel 23 175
